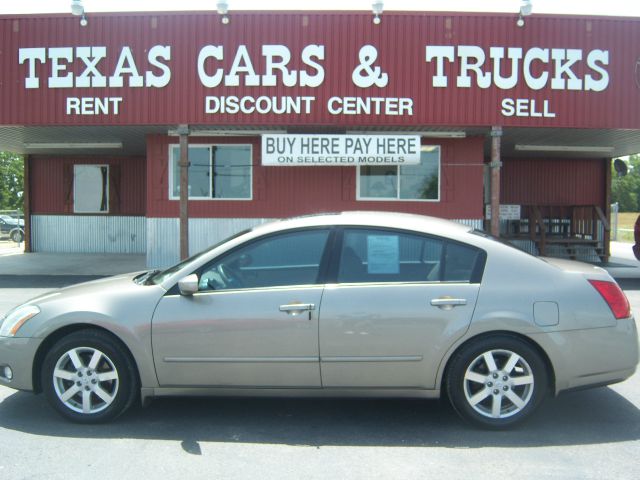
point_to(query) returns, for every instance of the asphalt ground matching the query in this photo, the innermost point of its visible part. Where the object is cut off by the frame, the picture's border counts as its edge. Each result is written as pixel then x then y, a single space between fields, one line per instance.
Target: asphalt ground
pixel 591 434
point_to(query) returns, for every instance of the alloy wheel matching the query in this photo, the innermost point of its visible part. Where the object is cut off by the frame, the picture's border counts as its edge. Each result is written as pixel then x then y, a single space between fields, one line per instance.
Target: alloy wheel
pixel 86 380
pixel 498 384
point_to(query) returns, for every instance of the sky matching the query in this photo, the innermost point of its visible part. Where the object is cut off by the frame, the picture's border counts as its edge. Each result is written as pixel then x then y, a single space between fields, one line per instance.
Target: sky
pixel 581 7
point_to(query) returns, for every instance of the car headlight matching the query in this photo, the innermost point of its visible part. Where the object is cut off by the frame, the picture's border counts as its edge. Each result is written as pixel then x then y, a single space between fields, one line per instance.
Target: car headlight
pixel 17 317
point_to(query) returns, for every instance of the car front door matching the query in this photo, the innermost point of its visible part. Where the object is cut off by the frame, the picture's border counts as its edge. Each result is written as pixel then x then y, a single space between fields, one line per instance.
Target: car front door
pixel 398 302
pixel 254 320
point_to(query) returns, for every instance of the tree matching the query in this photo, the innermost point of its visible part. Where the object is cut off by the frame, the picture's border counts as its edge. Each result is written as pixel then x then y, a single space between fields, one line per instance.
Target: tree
pixel 11 181
pixel 626 190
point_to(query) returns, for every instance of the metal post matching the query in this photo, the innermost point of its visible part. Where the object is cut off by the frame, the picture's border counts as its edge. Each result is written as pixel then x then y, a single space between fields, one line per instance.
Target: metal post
pixel 26 208
pixel 183 131
pixel 614 220
pixel 607 210
pixel 496 134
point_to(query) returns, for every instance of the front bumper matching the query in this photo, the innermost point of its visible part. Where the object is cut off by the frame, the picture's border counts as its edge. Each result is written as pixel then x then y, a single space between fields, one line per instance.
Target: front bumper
pixel 18 354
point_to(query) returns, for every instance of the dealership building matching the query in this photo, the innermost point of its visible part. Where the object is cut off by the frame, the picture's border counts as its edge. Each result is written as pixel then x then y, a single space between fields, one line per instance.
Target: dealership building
pixel 163 133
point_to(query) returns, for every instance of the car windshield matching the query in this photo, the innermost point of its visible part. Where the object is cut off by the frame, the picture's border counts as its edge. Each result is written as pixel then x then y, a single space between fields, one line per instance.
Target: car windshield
pixel 156 277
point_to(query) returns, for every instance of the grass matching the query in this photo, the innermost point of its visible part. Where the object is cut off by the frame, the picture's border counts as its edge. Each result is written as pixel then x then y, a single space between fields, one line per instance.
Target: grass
pixel 626 221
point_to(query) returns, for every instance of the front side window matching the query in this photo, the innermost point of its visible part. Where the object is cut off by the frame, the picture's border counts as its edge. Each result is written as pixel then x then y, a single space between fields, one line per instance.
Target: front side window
pixel 91 188
pixel 215 172
pixel 285 259
pixel 408 182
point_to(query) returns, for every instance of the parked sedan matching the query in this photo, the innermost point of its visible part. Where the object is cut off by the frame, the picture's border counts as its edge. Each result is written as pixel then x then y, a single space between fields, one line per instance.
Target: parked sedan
pixel 351 304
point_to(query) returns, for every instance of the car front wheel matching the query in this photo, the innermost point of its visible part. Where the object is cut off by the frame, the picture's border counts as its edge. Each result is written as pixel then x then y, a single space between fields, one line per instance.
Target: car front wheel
pixel 88 377
pixel 17 236
pixel 496 382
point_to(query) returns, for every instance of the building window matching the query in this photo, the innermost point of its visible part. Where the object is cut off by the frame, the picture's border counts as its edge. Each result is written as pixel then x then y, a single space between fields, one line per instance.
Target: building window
pixel 215 172
pixel 91 188
pixel 408 182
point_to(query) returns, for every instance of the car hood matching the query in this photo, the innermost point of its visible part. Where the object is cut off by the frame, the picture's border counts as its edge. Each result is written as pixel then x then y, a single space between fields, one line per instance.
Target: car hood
pixel 14 223
pixel 106 302
pixel 99 286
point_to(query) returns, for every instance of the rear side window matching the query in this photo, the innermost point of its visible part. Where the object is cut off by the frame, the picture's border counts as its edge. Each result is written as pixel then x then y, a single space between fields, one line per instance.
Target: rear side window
pixel 388 256
pixel 372 255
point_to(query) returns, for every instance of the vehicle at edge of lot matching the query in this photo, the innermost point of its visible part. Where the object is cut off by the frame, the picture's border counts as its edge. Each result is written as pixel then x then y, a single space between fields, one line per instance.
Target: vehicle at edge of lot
pixel 350 304
pixel 12 227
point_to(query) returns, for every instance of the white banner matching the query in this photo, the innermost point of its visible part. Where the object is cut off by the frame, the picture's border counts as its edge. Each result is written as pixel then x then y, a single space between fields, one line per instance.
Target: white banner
pixel 340 150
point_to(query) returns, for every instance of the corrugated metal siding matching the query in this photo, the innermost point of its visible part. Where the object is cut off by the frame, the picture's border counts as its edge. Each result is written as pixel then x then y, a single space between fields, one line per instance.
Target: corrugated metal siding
pixel 163 236
pixel 478 224
pixel 400 39
pixel 48 189
pixel 547 181
pixel 88 234
pixel 204 232
pixel 289 191
pixel 46 186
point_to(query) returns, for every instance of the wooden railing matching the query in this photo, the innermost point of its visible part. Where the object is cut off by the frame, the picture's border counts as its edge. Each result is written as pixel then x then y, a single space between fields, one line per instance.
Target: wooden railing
pixel 570 227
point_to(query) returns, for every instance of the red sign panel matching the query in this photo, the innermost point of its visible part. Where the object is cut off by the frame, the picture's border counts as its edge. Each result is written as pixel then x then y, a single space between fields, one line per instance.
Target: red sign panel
pixel 417 69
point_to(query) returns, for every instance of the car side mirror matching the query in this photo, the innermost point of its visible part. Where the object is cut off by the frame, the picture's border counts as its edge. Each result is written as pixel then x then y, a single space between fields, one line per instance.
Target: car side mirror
pixel 188 285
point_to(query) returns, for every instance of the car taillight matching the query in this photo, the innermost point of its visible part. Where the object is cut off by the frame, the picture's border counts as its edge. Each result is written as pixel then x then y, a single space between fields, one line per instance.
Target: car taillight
pixel 614 297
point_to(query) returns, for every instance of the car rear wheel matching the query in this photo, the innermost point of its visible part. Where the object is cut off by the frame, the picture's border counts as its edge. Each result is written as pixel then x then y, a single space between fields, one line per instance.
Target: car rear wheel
pixel 496 382
pixel 88 377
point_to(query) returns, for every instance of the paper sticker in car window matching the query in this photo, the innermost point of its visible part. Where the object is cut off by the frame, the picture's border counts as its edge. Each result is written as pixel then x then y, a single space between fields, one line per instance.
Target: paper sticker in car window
pixel 383 254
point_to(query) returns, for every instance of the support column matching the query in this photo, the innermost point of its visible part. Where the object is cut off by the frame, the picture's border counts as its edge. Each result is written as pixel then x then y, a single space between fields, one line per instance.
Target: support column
pixel 26 207
pixel 607 210
pixel 496 136
pixel 183 132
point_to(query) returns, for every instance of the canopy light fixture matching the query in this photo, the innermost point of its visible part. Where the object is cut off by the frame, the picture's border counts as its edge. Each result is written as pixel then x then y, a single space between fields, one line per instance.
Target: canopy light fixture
pixel 376 7
pixel 227 133
pixel 564 148
pixel 525 11
pixel 77 9
pixel 73 145
pixel 429 134
pixel 223 9
pixel 444 134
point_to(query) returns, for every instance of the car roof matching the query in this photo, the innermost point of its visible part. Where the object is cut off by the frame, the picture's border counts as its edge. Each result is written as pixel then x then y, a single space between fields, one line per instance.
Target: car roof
pixel 401 221
pixel 392 220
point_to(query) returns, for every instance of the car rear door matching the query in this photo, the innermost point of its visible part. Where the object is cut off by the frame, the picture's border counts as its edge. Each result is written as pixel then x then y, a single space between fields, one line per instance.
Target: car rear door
pixel 398 301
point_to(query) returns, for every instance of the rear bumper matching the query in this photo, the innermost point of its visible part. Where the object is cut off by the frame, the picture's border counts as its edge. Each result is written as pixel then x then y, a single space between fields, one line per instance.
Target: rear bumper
pixel 592 357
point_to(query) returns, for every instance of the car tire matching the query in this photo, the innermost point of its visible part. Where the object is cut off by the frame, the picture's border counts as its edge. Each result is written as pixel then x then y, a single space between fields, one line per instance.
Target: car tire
pixel 496 382
pixel 17 236
pixel 89 377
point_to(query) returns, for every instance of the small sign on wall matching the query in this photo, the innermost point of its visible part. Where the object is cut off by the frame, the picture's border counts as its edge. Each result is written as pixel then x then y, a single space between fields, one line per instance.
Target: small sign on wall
pixel 340 150
pixel 507 212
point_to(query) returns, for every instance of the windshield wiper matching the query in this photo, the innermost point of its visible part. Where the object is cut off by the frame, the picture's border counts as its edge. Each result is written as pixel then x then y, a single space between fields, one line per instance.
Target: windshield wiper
pixel 142 279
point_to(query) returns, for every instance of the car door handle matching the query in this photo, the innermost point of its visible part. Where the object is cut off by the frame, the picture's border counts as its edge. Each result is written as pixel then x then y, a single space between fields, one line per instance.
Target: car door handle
pixel 297 308
pixel 447 303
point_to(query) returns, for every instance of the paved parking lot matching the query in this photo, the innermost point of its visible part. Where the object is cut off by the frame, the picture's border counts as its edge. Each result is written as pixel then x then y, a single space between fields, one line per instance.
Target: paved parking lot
pixel 591 434
pixel 7 247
